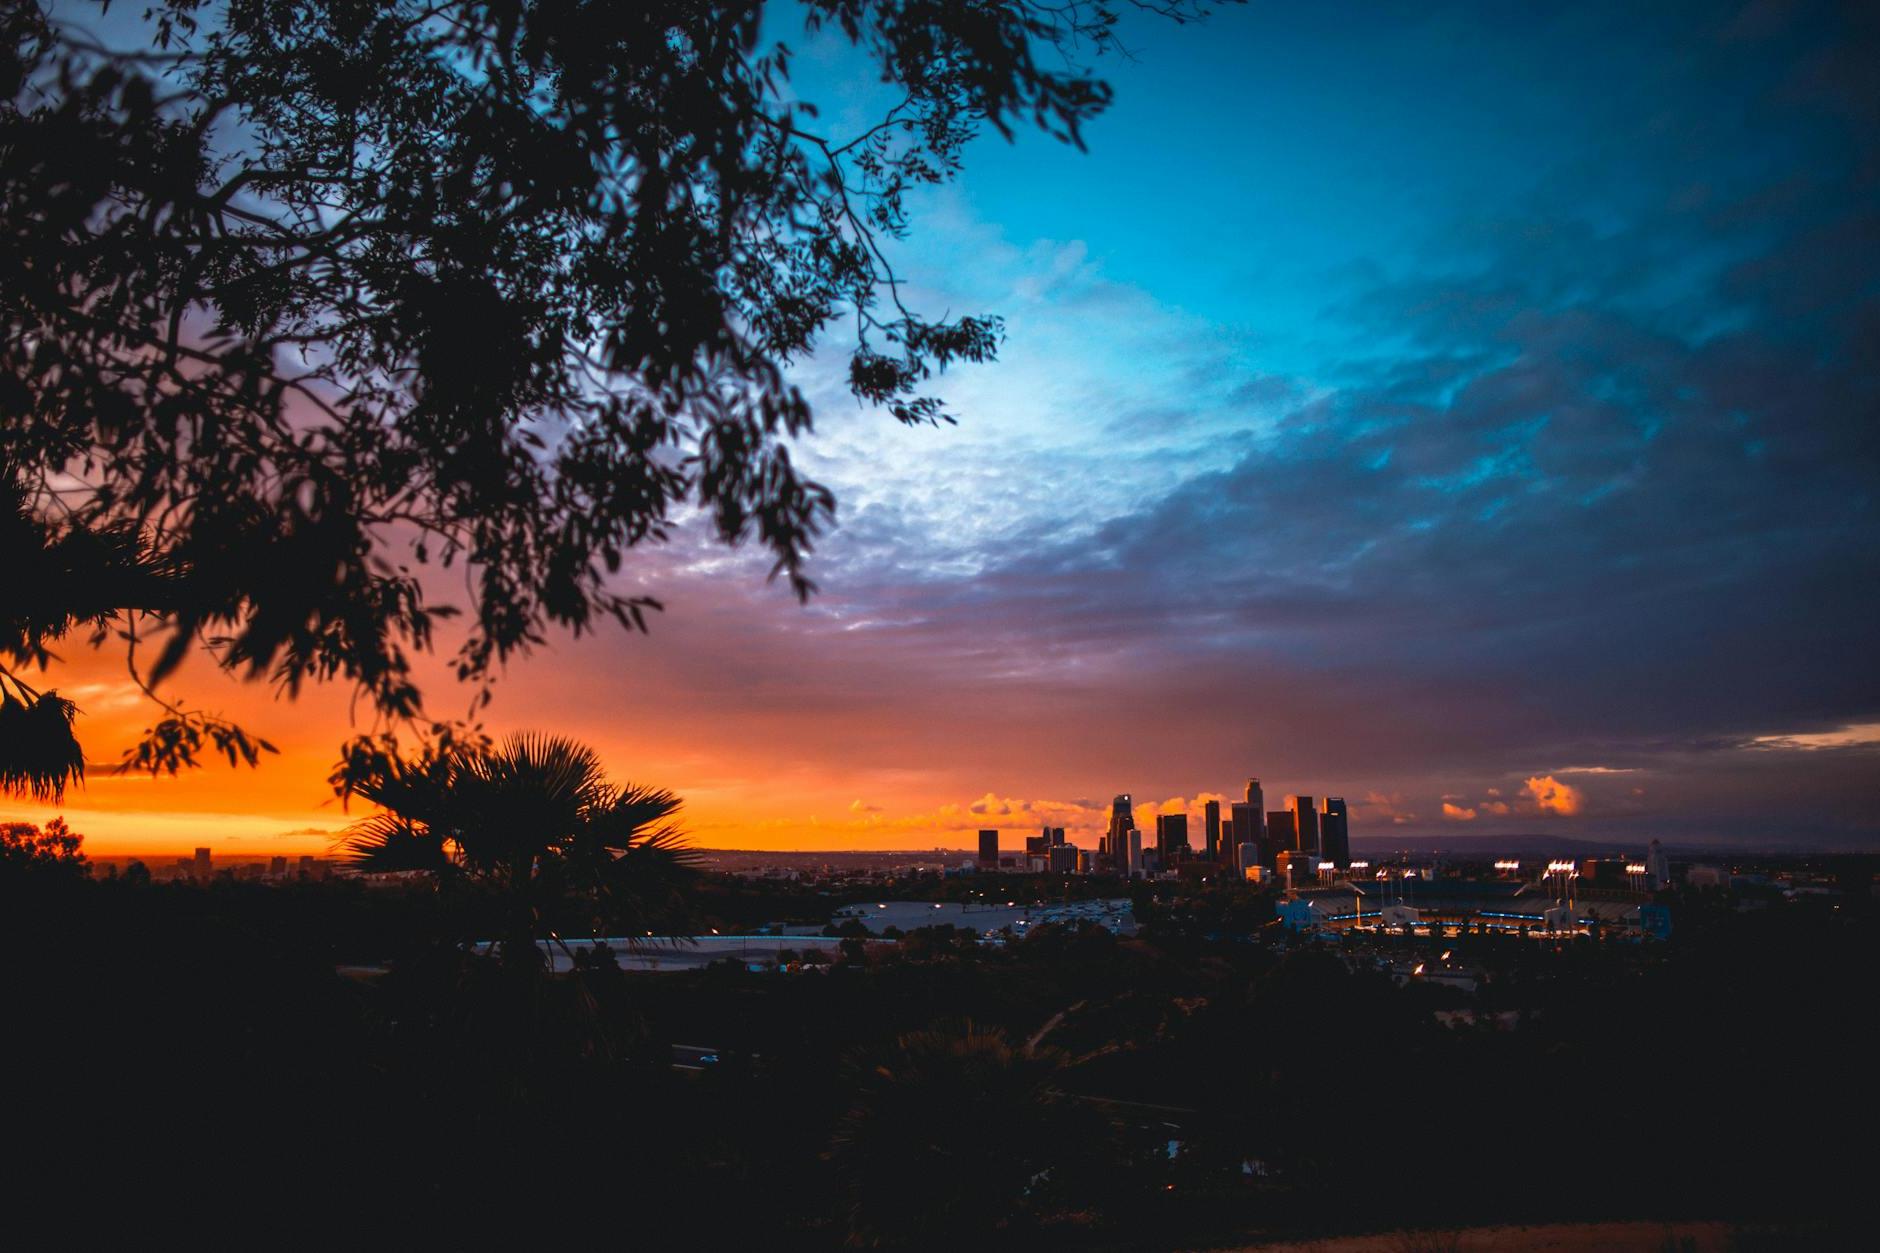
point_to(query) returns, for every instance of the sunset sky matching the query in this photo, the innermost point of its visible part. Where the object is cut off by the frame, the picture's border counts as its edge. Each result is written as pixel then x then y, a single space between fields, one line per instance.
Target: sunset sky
pixel 1469 413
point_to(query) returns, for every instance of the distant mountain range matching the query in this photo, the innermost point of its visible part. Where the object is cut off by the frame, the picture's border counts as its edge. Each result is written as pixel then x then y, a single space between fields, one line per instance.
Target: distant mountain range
pixel 1529 845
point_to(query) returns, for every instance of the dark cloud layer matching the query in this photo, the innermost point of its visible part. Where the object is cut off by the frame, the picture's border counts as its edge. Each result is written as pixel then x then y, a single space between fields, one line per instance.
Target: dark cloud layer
pixel 1600 491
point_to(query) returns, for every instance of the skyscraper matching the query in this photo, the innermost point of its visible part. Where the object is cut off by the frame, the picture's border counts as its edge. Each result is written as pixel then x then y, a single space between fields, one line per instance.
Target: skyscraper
pixel 1281 834
pixel 1171 839
pixel 1038 851
pixel 989 850
pixel 1248 827
pixel 1250 822
pixel 1122 822
pixel 1212 836
pixel 1305 823
pixel 1335 832
pixel 200 869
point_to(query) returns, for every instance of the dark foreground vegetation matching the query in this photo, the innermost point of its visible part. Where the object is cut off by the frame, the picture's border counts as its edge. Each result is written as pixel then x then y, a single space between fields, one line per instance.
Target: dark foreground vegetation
pixel 215 1053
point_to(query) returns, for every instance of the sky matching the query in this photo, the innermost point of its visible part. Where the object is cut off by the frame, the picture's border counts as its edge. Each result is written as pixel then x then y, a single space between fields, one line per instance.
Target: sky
pixel 1461 409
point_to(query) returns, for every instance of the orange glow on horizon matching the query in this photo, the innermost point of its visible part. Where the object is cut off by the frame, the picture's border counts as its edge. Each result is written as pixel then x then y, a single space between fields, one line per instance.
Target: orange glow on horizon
pixel 765 757
pixel 284 807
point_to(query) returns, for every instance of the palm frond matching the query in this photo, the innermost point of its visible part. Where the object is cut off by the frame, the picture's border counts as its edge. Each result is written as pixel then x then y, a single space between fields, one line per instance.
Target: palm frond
pixel 552 765
pixel 526 799
pixel 634 815
pixel 389 841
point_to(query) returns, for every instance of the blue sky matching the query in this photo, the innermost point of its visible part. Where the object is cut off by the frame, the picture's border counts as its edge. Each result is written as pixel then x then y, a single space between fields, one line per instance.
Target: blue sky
pixel 1412 401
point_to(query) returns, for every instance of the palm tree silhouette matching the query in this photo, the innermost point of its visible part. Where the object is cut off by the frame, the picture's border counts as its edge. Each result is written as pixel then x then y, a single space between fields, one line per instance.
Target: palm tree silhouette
pixel 535 822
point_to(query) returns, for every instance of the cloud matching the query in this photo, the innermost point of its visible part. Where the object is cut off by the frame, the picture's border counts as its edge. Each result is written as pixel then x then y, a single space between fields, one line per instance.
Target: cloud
pixel 1600 426
pixel 1856 735
pixel 858 806
pixel 1457 812
pixel 1378 807
pixel 1551 796
pixel 998 806
pixel 103 697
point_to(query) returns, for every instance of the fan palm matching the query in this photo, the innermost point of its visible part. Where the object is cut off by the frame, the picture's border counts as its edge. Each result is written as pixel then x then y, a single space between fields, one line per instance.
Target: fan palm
pixel 535 821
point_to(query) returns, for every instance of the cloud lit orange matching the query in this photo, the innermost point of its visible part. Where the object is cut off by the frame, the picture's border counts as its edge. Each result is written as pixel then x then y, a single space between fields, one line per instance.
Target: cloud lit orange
pixel 1551 796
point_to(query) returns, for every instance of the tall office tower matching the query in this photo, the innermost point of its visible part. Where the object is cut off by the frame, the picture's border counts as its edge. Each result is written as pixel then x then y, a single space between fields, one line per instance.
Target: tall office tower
pixel 1335 832
pixel 989 850
pixel 1063 859
pixel 1246 825
pixel 1212 833
pixel 1171 839
pixel 199 869
pixel 1132 864
pixel 1281 836
pixel 1056 834
pixel 1122 822
pixel 1038 852
pixel 1657 866
pixel 1250 821
pixel 1305 823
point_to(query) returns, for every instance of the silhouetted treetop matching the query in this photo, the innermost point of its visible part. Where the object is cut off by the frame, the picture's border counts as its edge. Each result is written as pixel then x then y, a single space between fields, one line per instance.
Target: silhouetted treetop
pixel 301 296
pixel 27 850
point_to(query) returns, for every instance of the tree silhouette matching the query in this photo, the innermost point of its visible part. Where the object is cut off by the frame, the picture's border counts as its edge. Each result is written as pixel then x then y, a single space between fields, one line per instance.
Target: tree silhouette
pixel 534 824
pixel 950 1127
pixel 302 299
pixel 52 850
